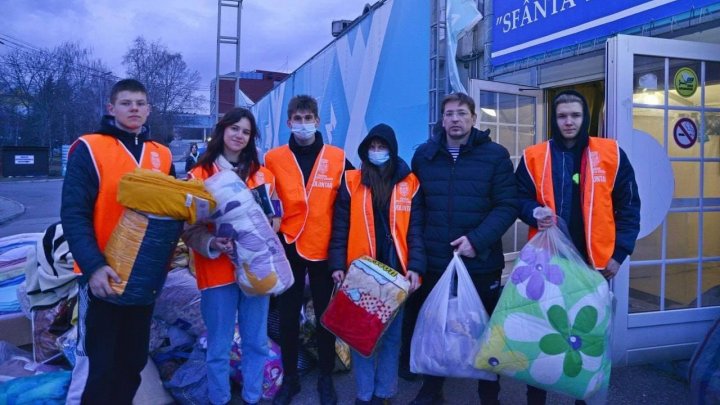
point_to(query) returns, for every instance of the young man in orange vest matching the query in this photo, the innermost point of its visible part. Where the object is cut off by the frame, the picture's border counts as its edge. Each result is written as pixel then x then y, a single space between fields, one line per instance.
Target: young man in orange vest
pixel 307 177
pixel 113 339
pixel 588 182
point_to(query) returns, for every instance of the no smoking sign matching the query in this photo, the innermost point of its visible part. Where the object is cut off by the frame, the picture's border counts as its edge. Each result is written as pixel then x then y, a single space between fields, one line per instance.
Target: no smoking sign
pixel 685 133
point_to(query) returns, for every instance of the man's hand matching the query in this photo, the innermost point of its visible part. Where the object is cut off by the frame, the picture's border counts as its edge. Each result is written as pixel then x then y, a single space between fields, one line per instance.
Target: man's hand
pixel 611 270
pixel 545 223
pixel 99 282
pixel 414 279
pixel 224 245
pixel 338 276
pixel 463 246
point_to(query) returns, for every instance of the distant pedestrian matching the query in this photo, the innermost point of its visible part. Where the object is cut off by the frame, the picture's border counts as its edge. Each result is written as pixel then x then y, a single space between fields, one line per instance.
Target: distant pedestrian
pixel 192 157
pixel 113 339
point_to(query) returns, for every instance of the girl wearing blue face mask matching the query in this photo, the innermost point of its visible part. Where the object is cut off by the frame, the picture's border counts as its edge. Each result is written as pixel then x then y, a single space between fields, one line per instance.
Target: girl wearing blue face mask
pixel 377 213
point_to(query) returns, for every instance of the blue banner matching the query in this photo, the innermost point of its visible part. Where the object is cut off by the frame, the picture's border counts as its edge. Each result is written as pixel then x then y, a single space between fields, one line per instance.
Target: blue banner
pixel 523 28
pixel 375 72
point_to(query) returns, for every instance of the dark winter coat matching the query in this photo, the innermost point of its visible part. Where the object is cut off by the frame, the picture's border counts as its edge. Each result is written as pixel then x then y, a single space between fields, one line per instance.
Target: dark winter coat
pixel 474 196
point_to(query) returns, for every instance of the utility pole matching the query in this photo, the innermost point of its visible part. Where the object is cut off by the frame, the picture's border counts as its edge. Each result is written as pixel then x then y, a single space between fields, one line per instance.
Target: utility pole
pixel 228 40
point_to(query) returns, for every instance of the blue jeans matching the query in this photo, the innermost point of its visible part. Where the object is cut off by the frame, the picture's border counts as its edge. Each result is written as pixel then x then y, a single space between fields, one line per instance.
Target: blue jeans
pixel 219 308
pixel 378 374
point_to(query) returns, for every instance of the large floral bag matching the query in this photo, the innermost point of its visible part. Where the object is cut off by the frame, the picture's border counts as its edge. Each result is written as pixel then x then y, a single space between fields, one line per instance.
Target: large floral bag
pixel 261 267
pixel 551 327
pixel 449 326
pixel 365 304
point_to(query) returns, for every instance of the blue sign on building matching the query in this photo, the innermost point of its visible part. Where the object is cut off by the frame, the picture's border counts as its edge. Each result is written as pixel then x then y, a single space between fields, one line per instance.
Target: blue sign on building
pixel 523 28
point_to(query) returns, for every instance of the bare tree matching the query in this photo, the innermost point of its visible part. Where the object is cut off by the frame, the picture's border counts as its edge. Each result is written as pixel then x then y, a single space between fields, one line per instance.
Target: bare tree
pixel 49 98
pixel 171 84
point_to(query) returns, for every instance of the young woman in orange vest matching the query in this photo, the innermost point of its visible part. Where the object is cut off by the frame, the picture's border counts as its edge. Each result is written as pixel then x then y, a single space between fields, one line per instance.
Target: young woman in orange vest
pixel 377 214
pixel 232 147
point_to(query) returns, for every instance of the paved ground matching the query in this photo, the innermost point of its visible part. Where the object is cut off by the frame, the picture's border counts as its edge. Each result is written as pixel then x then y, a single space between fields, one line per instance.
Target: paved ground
pixel 10 209
pixel 628 386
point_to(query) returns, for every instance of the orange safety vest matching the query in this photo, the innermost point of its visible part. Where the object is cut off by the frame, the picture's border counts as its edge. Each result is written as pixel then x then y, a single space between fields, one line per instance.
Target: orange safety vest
pixel 307 209
pixel 112 160
pixel 220 271
pixel 599 167
pixel 361 237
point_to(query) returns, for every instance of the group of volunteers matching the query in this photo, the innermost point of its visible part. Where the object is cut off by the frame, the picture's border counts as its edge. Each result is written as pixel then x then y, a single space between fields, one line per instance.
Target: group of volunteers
pixel 463 193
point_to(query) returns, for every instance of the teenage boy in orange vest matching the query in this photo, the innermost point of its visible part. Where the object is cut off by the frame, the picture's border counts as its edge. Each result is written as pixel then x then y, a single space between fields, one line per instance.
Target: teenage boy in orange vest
pixel 307 177
pixel 589 184
pixel 113 339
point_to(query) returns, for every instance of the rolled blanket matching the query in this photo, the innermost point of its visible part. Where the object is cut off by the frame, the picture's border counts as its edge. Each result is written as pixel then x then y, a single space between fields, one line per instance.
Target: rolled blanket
pixel 160 194
pixel 260 264
pixel 139 250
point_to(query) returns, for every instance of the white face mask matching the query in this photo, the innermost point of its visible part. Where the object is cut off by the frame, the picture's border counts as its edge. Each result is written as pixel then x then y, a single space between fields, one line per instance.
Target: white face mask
pixel 303 131
pixel 379 158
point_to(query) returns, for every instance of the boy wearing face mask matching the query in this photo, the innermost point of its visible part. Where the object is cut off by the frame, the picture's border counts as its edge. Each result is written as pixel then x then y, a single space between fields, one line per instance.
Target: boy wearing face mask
pixel 308 174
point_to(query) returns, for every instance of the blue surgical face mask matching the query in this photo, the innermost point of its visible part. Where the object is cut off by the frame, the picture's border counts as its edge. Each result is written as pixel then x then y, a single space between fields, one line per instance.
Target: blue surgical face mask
pixel 379 158
pixel 303 131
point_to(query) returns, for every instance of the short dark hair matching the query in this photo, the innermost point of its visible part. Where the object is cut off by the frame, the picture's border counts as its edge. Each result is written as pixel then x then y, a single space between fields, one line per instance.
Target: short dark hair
pixel 126 85
pixel 302 102
pixel 461 98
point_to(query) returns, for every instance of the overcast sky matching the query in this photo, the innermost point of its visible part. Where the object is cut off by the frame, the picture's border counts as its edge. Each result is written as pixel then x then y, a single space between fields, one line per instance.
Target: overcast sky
pixel 276 34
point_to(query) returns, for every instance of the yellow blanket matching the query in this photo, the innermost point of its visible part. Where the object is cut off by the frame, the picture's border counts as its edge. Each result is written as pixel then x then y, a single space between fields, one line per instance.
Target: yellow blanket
pixel 159 194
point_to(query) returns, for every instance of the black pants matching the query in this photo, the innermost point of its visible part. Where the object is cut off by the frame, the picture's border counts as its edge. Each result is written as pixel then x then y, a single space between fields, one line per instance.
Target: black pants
pixel 116 343
pixel 488 287
pixel 290 303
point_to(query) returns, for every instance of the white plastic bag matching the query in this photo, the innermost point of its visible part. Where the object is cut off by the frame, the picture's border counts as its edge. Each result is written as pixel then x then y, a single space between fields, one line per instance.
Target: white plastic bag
pixel 449 327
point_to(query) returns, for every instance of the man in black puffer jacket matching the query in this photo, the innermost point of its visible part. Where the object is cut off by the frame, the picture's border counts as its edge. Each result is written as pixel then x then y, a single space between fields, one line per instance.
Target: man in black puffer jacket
pixel 470 199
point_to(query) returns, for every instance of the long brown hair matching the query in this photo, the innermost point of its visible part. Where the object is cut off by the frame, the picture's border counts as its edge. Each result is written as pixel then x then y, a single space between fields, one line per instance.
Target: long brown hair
pixel 248 157
pixel 379 178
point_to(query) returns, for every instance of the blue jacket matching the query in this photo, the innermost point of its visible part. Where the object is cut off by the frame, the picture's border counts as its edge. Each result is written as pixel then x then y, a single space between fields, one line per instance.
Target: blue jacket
pixel 565 164
pixel 474 196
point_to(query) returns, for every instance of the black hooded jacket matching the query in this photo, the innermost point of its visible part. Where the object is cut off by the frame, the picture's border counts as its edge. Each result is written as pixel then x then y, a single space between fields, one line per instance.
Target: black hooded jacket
pixel 565 166
pixel 80 190
pixel 474 196
pixel 385 248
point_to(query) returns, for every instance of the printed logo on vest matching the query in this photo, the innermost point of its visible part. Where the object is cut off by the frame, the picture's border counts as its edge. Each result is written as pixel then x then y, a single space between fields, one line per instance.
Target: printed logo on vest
pixel 323 166
pixel 404 189
pixel 155 161
pixel 598 173
pixel 321 179
pixel 402 202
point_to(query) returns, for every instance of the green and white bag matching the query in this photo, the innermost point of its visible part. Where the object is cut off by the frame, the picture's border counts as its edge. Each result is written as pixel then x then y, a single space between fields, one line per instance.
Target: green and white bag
pixel 551 327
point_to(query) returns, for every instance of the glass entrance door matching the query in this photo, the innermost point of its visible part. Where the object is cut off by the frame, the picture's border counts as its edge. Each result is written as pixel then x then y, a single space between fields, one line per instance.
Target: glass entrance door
pixel 663 99
pixel 513 115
